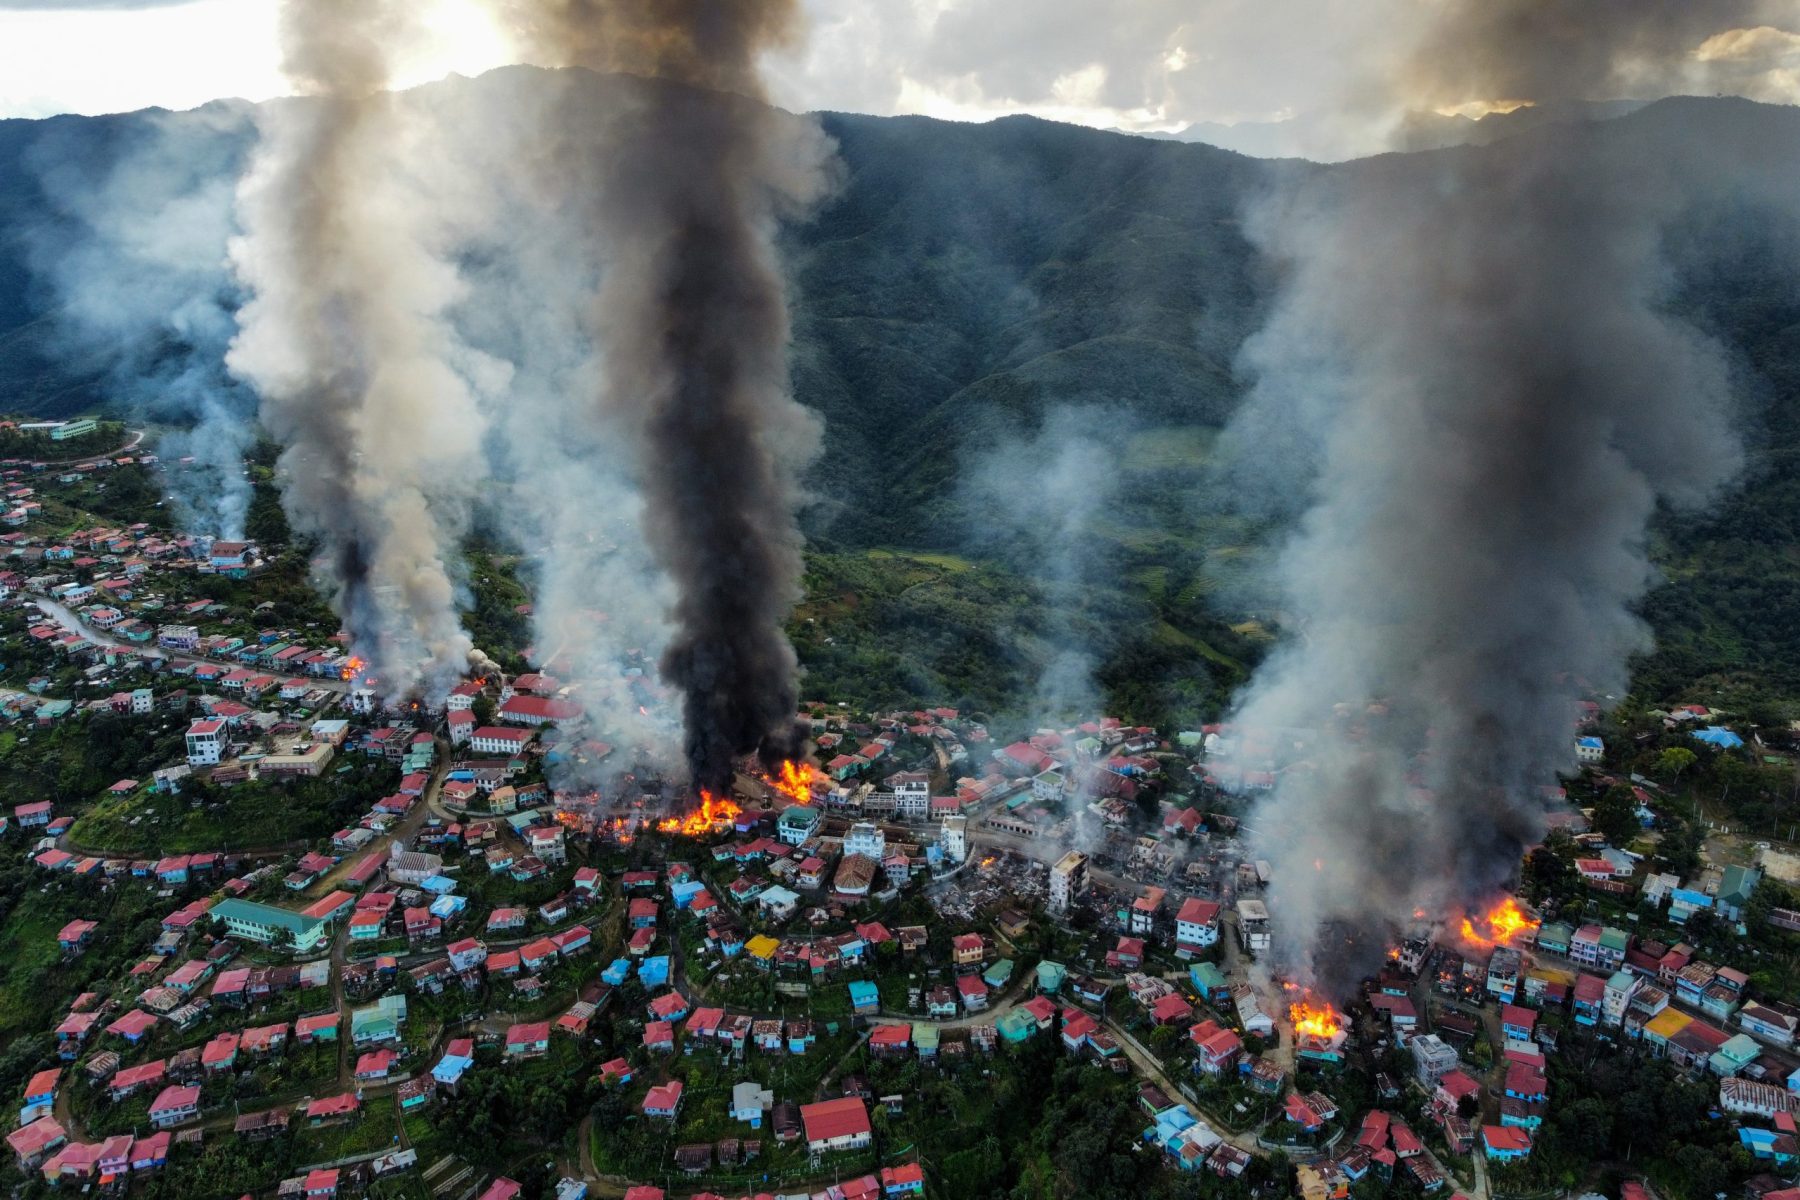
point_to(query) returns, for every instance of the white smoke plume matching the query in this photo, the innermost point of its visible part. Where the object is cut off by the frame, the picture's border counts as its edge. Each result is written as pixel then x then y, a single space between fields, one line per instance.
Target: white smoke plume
pixel 345 338
pixel 1477 346
pixel 1036 500
pixel 135 261
pixel 562 491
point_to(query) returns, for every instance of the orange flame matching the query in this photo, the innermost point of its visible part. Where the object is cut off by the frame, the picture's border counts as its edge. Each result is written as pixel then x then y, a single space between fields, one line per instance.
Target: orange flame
pixel 352 668
pixel 796 781
pixel 1502 923
pixel 1315 1018
pixel 713 812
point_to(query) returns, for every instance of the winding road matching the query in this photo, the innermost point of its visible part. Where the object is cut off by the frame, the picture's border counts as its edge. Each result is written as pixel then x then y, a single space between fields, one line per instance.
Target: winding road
pixel 61 614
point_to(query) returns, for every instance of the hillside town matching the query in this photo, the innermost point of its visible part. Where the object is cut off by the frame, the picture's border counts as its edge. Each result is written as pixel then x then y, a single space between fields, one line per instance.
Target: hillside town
pixel 302 944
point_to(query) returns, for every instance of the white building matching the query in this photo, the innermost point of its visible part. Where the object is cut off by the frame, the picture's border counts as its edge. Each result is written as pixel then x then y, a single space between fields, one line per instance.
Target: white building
pixel 1197 923
pixel 1250 1012
pixel 1253 925
pixel 912 794
pixel 412 866
pixel 954 837
pixel 143 702
pixel 205 742
pixel 497 739
pixel 1433 1058
pixel 1068 880
pixel 797 823
pixel 1589 751
pixel 1747 1097
pixel 865 838
pixel 1620 990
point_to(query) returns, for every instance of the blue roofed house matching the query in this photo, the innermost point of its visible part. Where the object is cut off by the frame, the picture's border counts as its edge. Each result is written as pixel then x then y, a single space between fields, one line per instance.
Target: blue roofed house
pixel 459 1056
pixel 1724 739
pixel 1685 902
pixel 653 972
pixel 1767 1144
pixel 865 997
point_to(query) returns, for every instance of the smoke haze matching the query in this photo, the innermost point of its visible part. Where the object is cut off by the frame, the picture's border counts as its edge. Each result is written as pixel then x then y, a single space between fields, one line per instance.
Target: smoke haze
pixel 691 331
pixel 1034 500
pixel 1476 350
pixel 345 340
pixel 136 263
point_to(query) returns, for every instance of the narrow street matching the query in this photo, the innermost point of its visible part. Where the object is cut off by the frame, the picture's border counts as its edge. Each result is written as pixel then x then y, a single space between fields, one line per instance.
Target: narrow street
pixel 74 624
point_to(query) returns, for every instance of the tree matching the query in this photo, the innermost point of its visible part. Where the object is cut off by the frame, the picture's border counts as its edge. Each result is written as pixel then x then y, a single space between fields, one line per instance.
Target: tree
pixel 1615 815
pixel 1680 848
pixel 1674 760
pixel 1547 873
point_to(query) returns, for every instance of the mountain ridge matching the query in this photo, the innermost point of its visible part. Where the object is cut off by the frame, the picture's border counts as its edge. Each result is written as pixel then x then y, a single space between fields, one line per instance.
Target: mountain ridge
pixel 969 283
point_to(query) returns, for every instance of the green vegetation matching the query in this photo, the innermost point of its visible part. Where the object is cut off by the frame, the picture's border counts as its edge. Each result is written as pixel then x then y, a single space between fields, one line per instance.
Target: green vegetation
pixel 81 756
pixel 36 982
pixel 887 627
pixel 244 816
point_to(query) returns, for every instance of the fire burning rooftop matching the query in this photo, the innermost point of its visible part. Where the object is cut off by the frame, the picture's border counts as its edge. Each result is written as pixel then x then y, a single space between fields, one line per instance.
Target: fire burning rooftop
pixel 1503 924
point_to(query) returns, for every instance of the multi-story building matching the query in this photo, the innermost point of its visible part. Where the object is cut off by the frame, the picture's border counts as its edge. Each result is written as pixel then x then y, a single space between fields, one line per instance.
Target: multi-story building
pixel 1433 1058
pixel 865 838
pixel 797 823
pixel 1253 925
pixel 954 838
pixel 497 739
pixel 1503 972
pixel 205 742
pixel 912 794
pixel 1068 880
pixel 252 921
pixel 1620 990
pixel 1196 925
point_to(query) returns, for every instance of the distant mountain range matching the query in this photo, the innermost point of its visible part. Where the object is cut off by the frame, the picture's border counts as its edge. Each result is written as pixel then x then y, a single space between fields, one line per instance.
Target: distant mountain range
pixel 1315 137
pixel 971 282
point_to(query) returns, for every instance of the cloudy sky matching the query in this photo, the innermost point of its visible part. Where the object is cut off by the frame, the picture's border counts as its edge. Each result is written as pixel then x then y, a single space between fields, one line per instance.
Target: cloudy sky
pixel 1135 64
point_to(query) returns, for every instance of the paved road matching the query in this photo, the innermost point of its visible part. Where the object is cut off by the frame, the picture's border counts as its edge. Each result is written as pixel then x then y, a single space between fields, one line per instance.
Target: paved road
pixel 74 624
pixel 132 443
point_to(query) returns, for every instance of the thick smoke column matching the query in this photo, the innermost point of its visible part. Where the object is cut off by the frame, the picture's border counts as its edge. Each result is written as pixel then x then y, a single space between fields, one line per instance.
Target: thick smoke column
pixel 345 341
pixel 692 330
pixel 562 491
pixel 1477 343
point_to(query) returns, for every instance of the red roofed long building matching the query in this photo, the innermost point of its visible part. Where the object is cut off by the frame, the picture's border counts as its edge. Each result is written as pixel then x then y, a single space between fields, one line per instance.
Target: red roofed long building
pixel 841 1124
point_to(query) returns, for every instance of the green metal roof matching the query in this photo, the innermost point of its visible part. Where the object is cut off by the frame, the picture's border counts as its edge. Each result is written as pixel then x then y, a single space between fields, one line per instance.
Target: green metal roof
pixel 253 912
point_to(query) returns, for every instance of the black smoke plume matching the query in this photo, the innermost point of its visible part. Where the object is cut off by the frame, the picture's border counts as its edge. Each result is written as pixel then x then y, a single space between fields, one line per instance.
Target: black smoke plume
pixel 691 321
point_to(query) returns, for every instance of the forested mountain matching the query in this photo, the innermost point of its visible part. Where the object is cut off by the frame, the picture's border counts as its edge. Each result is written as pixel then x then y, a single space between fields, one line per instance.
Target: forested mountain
pixel 998 322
